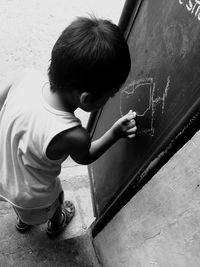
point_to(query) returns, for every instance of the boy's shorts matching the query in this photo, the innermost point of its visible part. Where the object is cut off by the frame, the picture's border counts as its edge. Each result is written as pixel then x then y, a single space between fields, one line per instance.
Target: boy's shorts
pixel 39 216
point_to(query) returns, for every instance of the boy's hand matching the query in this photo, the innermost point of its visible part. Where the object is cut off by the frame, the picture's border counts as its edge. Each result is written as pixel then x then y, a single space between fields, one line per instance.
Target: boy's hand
pixel 125 127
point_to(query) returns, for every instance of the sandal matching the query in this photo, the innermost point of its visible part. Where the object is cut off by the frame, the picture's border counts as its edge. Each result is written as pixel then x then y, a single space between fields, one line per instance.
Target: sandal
pixel 68 211
pixel 21 226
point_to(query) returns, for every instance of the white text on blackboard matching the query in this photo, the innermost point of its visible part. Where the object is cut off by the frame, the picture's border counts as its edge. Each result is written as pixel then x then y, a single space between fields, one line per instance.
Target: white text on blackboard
pixel 193 6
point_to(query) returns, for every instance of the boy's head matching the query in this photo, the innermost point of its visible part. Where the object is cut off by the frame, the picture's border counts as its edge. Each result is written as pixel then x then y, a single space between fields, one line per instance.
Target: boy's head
pixel 91 55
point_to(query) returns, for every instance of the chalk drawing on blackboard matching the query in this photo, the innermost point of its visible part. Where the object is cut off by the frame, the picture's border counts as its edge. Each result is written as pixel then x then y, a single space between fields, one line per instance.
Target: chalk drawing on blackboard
pixel 163 98
pixel 176 41
pixel 139 96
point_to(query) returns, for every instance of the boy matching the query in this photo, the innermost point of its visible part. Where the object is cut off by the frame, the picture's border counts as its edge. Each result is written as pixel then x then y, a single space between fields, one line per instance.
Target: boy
pixel 38 129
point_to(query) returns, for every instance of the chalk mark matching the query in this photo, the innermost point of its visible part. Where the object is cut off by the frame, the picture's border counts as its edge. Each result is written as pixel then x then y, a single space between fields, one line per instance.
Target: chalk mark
pixel 130 90
pixel 162 99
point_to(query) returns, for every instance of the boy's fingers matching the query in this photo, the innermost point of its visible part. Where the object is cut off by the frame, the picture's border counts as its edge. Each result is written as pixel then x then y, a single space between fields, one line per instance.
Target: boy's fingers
pixel 131 124
pixel 131 136
pixel 132 130
pixel 129 116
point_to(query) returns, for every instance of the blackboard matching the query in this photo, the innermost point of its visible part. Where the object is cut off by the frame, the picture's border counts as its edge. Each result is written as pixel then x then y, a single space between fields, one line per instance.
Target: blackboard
pixel 163 87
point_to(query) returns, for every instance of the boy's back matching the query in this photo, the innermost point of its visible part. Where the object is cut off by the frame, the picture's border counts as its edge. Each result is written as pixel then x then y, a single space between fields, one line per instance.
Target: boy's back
pixel 27 125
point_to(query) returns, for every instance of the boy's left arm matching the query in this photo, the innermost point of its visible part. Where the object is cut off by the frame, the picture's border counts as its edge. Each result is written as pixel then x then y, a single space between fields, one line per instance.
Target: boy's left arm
pixel 84 152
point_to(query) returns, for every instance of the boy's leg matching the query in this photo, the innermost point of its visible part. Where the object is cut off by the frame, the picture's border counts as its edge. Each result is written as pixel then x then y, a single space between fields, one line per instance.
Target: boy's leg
pixel 57 218
pixel 20 225
pixel 61 218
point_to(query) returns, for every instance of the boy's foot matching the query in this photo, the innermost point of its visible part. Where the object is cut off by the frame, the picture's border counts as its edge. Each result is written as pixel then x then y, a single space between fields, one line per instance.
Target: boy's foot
pixel 68 211
pixel 22 227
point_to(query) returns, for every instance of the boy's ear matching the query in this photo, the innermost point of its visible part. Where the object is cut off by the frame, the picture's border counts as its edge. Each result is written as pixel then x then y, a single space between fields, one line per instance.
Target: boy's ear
pixel 85 98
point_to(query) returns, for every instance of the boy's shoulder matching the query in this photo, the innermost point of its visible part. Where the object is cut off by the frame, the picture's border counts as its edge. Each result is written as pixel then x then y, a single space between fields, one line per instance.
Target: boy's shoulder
pixel 74 140
pixel 15 78
pixel 78 137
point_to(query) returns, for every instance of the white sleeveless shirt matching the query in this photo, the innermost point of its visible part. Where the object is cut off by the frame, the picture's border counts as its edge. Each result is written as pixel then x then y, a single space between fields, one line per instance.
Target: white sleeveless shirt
pixel 28 179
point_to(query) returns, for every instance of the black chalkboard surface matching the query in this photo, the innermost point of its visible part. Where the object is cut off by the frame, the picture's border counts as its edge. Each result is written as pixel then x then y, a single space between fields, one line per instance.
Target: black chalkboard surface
pixel 163 88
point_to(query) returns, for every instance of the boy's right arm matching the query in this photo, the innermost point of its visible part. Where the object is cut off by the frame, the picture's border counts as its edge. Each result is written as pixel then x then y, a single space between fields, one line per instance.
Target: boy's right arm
pixel 84 152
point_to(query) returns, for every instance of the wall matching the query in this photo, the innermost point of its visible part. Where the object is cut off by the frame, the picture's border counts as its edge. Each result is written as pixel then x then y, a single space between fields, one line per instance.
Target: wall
pixel 160 226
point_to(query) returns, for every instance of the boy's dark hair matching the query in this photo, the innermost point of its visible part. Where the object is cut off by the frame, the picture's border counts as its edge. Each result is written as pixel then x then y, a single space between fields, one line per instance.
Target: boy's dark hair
pixel 90 55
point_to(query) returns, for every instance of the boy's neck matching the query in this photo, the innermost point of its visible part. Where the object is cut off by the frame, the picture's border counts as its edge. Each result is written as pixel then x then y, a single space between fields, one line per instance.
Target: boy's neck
pixel 56 101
